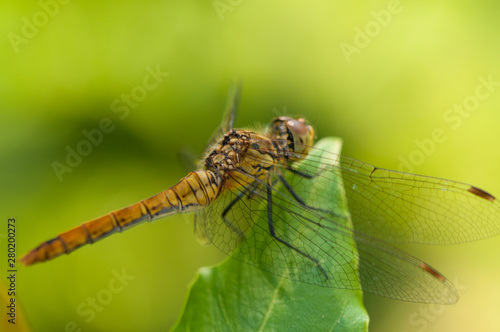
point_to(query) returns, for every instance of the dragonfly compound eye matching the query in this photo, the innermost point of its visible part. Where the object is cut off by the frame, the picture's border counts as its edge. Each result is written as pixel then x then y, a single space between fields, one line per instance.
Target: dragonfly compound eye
pixel 300 134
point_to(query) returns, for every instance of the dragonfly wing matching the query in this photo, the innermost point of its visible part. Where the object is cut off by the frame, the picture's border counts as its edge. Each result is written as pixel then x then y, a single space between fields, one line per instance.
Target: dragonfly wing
pixel 387 271
pixel 228 219
pixel 228 117
pixel 191 160
pixel 407 208
pixel 231 110
pixel 200 228
pixel 238 224
pixel 315 243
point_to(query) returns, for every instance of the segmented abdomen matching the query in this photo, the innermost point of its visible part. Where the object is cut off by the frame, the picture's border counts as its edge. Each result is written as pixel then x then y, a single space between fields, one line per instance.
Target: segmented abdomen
pixel 196 190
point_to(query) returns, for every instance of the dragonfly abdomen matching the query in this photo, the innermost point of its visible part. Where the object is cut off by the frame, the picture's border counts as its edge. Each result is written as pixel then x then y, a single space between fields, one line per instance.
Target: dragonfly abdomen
pixel 193 192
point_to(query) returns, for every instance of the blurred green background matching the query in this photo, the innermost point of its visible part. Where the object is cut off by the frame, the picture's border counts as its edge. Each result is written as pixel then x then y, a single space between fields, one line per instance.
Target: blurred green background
pixel 382 75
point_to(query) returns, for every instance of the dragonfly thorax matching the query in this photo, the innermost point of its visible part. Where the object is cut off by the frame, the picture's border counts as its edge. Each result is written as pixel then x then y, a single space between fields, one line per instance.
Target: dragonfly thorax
pixel 242 155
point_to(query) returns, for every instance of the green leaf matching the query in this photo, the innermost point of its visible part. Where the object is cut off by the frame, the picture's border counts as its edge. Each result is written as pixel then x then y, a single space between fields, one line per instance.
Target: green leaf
pixel 234 296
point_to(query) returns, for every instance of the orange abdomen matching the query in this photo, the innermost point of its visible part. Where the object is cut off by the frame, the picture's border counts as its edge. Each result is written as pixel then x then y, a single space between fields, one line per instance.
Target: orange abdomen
pixel 194 191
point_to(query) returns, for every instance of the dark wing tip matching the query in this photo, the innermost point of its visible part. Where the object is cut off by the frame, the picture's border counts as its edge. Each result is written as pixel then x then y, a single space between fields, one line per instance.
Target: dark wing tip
pixel 432 271
pixel 481 193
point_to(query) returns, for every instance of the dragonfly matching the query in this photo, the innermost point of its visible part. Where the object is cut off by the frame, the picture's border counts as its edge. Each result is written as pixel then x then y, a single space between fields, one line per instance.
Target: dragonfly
pixel 274 199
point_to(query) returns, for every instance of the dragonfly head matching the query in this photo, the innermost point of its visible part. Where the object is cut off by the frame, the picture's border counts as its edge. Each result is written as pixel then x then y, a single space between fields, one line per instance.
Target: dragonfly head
pixel 296 132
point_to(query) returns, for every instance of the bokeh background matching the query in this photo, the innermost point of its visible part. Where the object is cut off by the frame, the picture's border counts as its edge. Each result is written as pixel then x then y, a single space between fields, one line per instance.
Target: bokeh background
pixel 382 75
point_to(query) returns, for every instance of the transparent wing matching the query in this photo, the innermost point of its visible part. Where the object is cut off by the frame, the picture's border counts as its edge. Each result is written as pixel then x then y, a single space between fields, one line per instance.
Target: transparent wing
pixel 200 229
pixel 230 113
pixel 231 110
pixel 407 208
pixel 399 207
pixel 308 236
pixel 238 223
pixel 191 160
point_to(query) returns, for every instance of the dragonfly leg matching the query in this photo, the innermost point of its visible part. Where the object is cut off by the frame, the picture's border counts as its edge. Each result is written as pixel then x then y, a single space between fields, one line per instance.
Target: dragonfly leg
pixel 301 201
pixel 272 231
pixel 303 174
